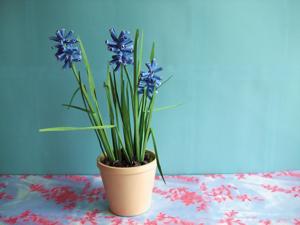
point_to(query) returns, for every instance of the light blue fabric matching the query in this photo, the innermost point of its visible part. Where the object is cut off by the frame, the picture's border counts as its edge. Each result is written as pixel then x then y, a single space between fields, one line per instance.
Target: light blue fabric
pixel 265 198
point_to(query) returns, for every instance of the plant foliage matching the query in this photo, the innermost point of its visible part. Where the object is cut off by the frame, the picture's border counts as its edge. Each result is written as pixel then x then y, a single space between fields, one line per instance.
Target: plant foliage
pixel 130 97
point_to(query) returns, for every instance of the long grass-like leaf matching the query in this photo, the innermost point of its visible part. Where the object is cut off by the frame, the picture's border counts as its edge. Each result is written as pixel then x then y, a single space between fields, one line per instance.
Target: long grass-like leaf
pixel 156 155
pixel 125 117
pixel 152 55
pixel 148 122
pixel 78 79
pixel 111 114
pixel 135 104
pixel 128 81
pixel 140 58
pixel 95 120
pixel 122 146
pixel 90 80
pixel 115 89
pixel 73 96
pixel 114 97
pixel 128 112
pixel 142 125
pixel 165 81
pixel 77 107
pixel 93 92
pixel 135 63
pixel 88 69
pixel 54 129
pixel 166 107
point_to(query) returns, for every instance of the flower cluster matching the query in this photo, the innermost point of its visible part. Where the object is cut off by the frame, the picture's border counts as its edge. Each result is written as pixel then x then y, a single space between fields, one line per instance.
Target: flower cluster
pixel 149 80
pixel 67 50
pixel 122 46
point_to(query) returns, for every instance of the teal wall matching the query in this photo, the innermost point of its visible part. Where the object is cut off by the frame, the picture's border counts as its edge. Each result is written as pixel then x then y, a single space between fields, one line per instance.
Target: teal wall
pixel 236 67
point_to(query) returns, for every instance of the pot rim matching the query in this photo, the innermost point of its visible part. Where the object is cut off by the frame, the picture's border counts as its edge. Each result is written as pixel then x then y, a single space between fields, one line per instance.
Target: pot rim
pixel 126 170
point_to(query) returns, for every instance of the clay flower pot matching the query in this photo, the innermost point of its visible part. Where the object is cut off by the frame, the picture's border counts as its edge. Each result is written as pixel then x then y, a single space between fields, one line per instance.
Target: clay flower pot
pixel 128 189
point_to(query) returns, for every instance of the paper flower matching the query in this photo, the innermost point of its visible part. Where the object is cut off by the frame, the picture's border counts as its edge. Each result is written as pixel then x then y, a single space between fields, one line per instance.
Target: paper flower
pixel 122 46
pixel 149 80
pixel 67 50
pixel 63 38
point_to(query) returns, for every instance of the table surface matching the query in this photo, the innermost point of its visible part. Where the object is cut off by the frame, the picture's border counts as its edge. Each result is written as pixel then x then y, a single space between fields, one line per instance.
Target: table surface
pixel 262 198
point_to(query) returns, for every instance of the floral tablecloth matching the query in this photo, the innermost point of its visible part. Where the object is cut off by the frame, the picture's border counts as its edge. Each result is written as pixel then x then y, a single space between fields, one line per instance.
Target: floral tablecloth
pixel 263 198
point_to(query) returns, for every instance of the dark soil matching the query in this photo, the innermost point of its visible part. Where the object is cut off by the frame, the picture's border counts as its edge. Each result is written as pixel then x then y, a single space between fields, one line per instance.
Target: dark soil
pixel 124 163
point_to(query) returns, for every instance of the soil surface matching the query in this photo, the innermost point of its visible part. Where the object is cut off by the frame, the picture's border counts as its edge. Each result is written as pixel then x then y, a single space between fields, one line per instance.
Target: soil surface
pixel 124 163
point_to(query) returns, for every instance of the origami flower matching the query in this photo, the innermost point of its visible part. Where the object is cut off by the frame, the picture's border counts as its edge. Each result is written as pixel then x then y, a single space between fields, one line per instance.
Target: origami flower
pixel 69 53
pixel 67 50
pixel 122 46
pixel 63 38
pixel 149 80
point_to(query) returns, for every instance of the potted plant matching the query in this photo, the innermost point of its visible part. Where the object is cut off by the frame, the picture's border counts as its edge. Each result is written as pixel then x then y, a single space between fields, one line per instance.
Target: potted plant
pixel 127 167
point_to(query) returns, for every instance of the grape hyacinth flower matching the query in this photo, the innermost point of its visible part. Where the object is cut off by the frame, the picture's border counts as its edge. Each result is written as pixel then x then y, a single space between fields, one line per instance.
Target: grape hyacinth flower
pixel 149 80
pixel 63 38
pixel 67 50
pixel 122 46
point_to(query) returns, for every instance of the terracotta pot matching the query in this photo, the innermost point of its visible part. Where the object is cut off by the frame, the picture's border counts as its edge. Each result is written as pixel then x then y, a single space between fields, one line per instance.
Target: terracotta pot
pixel 128 189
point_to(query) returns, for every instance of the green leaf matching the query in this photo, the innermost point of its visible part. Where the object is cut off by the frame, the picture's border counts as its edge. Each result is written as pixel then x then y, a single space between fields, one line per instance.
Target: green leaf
pixel 78 79
pixel 77 107
pixel 156 154
pixel 88 68
pixel 90 80
pixel 94 97
pixel 140 55
pixel 135 102
pixel 75 128
pixel 148 122
pixel 115 90
pixel 111 112
pixel 165 81
pixel 129 81
pixel 135 63
pixel 142 113
pixel 125 116
pixel 85 96
pixel 166 107
pixel 95 120
pixel 152 55
pixel 122 146
pixel 114 97
pixel 73 96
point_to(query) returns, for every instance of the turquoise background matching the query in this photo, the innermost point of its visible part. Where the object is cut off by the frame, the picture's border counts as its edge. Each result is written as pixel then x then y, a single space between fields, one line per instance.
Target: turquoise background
pixel 235 65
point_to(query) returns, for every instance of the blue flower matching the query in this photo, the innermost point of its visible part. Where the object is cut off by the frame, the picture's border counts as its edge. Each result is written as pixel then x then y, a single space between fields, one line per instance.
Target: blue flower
pixel 63 38
pixel 68 53
pixel 149 80
pixel 67 50
pixel 122 46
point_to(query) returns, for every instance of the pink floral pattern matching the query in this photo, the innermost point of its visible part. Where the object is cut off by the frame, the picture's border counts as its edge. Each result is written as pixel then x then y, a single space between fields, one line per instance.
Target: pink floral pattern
pixel 231 199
